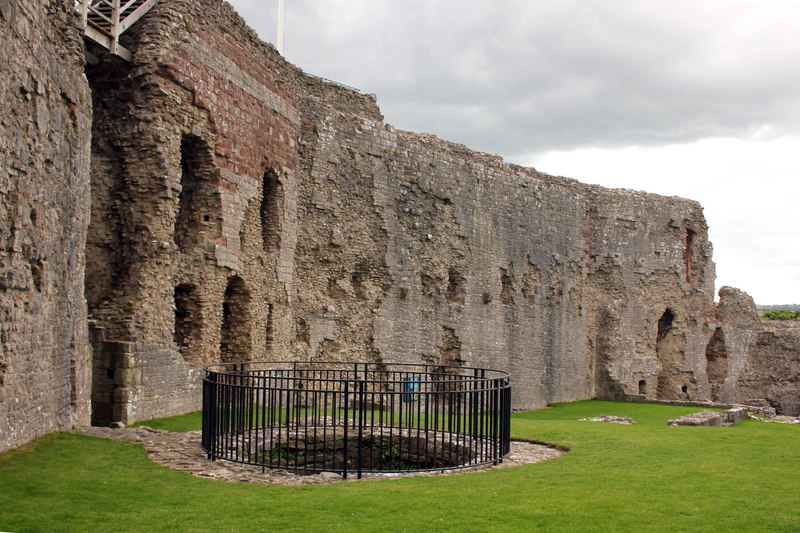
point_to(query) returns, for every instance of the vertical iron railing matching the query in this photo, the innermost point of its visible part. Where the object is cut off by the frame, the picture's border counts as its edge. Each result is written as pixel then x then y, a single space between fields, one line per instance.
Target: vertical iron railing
pixel 355 417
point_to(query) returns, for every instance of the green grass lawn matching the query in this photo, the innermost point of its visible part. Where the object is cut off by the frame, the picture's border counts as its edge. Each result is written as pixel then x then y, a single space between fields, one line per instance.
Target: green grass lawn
pixel 646 477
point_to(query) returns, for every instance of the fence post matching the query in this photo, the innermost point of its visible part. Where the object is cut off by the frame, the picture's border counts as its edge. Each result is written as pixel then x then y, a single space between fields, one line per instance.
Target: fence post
pixel 475 406
pixel 346 402
pixel 362 413
pixel 210 415
pixel 497 411
pixel 507 418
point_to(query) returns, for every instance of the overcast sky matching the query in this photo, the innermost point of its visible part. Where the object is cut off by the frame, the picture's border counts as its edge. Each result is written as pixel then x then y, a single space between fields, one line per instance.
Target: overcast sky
pixel 695 98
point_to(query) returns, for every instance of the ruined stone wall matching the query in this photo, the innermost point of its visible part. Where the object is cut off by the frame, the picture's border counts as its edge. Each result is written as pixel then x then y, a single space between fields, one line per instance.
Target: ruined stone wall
pixel 242 210
pixel 650 295
pixel 190 250
pixel 44 211
pixel 772 373
pixel 413 249
pixel 750 361
pixel 326 234
pixel 736 327
pixel 316 231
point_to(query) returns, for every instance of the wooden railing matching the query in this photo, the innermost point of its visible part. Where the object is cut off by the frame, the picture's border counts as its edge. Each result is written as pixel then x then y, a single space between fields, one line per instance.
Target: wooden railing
pixel 105 20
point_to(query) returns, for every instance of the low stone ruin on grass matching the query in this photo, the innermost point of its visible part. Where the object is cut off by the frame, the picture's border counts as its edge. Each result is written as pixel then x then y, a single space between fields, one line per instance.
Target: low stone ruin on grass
pixel 711 418
pixel 610 418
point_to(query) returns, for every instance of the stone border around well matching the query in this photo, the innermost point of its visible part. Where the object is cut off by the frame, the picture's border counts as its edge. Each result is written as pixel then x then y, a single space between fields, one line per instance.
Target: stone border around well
pixel 182 452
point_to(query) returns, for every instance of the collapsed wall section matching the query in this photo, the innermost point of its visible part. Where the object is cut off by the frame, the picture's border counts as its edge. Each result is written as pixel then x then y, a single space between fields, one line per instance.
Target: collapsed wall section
pixel 771 376
pixel 753 362
pixel 44 211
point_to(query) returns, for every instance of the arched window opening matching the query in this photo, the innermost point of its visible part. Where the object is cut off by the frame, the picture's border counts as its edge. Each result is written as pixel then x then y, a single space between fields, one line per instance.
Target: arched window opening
pixel 665 324
pixel 235 335
pixel 188 321
pixel 272 203
pixel 198 203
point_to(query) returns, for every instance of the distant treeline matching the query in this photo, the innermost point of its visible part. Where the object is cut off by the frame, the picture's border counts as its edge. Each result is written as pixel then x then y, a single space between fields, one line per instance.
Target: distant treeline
pixel 790 307
pixel 780 314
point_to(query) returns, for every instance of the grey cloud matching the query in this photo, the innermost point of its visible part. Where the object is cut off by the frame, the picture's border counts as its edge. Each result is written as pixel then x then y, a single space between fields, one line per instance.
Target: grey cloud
pixel 516 77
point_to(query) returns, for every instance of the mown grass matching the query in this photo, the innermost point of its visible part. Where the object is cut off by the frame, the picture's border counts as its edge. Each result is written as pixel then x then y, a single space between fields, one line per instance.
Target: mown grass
pixel 646 477
pixel 180 423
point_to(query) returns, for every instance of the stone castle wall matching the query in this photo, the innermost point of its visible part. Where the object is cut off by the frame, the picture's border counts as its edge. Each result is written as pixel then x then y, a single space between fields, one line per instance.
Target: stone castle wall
pixel 44 210
pixel 411 249
pixel 753 362
pixel 772 370
pixel 315 231
pixel 189 261
pixel 242 210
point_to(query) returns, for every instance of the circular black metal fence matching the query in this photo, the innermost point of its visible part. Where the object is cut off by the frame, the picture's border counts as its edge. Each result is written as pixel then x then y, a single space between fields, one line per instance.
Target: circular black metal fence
pixel 355 417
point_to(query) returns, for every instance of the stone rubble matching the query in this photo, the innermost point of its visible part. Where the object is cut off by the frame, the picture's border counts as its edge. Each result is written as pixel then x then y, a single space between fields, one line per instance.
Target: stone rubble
pixel 610 418
pixel 777 419
pixel 711 418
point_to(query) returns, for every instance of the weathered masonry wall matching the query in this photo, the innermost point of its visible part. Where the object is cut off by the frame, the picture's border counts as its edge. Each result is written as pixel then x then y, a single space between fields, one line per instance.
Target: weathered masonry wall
pixel 242 210
pixel 772 372
pixel 190 253
pixel 753 362
pixel 411 248
pixel 44 211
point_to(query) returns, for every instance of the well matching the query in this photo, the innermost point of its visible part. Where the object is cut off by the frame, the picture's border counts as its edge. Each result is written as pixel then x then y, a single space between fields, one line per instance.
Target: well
pixel 355 417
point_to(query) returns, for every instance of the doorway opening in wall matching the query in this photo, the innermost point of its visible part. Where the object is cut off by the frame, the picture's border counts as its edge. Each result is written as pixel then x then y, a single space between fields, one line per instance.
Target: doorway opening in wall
pixel 113 217
pixel 670 346
pixel 643 387
pixel 272 203
pixel 235 337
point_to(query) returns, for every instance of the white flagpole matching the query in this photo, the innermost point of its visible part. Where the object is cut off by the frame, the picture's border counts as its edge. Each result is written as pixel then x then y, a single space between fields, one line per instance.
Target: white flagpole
pixel 279 44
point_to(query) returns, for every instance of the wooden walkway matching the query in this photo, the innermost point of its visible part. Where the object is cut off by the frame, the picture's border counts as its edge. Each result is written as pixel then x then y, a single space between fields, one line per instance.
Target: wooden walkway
pixel 105 20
